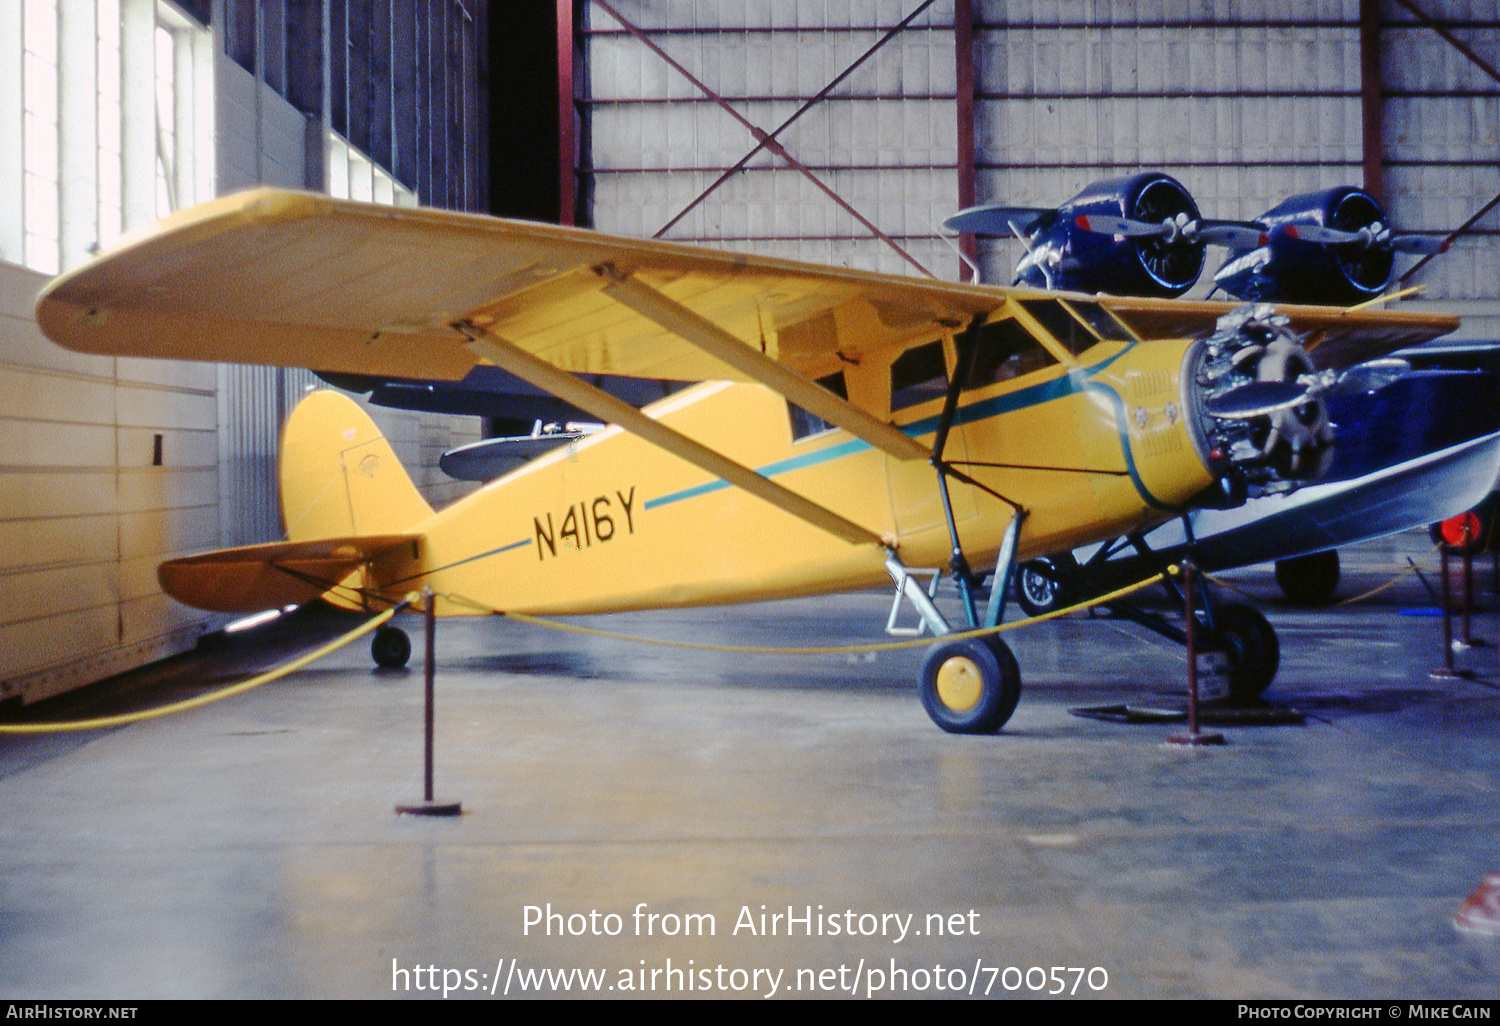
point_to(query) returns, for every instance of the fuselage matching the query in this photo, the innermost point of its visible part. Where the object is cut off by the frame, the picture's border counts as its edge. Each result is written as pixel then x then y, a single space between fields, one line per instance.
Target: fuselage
pixel 1087 433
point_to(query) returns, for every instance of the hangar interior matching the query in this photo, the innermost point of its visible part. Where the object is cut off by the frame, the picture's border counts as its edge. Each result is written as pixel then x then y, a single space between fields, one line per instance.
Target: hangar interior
pixel 885 118
pixel 877 119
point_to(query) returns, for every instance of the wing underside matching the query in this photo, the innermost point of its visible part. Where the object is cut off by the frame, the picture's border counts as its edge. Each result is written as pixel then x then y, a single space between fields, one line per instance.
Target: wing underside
pixel 298 279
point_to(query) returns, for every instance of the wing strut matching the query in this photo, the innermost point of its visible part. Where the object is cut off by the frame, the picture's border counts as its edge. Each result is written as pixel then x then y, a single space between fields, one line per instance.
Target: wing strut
pixel 714 340
pixel 607 408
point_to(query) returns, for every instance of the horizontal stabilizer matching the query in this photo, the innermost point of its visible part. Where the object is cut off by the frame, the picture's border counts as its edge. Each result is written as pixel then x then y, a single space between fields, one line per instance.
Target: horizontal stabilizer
pixel 257 577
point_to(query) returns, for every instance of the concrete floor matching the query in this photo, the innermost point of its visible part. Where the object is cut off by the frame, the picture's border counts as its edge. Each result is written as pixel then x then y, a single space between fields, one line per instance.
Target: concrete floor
pixel 251 848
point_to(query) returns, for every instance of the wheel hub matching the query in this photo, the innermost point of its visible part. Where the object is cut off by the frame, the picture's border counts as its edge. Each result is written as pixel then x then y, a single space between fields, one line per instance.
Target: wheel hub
pixel 959 683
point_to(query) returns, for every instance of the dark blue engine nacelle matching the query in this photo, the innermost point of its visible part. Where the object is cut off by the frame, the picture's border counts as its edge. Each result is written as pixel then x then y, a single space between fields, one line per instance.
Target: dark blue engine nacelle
pixel 1333 247
pixel 1064 252
pixel 1142 236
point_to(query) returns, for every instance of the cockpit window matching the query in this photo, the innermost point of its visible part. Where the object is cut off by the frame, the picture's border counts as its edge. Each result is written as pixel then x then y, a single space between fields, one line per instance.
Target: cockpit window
pixel 804 423
pixel 1006 350
pixel 918 375
pixel 1077 325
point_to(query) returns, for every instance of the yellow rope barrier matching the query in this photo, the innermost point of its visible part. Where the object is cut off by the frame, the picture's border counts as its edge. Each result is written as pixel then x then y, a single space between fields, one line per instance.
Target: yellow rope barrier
pixel 1342 602
pixel 884 646
pixel 201 700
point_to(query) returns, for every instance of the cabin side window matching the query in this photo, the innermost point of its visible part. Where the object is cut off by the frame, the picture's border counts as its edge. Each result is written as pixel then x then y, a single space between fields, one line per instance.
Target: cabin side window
pixel 918 375
pixel 1006 350
pixel 1077 325
pixel 804 423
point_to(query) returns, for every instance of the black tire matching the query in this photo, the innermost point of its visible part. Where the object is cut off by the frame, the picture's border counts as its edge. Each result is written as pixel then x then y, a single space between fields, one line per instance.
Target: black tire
pixel 970 686
pixel 1251 652
pixel 390 648
pixel 1036 593
pixel 1309 580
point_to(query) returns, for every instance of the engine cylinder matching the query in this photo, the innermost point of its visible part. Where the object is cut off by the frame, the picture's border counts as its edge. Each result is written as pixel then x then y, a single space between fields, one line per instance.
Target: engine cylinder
pixel 1276 451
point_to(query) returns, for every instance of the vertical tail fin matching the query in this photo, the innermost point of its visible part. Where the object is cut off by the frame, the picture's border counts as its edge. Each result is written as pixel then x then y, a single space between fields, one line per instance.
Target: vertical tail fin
pixel 340 477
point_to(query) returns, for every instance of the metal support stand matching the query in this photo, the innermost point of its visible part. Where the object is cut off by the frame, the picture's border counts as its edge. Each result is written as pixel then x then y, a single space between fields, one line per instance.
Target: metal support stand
pixel 430 806
pixel 1194 736
pixel 1448 671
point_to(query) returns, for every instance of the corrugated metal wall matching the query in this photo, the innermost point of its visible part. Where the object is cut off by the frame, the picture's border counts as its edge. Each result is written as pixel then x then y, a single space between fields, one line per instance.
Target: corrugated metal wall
pixel 884 141
pixel 107 467
pixel 1247 104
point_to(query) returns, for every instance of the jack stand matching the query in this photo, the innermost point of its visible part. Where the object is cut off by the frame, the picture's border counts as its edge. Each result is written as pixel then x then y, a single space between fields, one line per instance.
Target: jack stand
pixel 1448 671
pixel 429 806
pixel 1193 737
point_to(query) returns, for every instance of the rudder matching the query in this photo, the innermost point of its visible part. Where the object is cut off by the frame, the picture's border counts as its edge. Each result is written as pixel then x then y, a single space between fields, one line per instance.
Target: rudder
pixel 340 477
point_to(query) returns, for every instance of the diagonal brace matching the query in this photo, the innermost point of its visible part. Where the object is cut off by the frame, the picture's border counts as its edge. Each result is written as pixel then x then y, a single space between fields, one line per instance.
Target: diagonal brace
pixel 607 408
pixel 714 340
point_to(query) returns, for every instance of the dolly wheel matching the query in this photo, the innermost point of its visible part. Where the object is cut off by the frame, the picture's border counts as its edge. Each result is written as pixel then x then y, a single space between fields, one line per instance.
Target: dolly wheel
pixel 1309 580
pixel 391 648
pixel 1036 593
pixel 1251 653
pixel 971 685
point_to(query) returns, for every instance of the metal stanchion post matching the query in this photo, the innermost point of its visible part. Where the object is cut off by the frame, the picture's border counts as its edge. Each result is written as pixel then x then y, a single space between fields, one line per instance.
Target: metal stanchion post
pixel 1447 671
pixel 430 806
pixel 1193 736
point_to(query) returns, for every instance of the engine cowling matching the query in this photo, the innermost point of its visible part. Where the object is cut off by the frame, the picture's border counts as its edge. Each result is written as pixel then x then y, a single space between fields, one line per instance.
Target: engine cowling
pixel 1065 253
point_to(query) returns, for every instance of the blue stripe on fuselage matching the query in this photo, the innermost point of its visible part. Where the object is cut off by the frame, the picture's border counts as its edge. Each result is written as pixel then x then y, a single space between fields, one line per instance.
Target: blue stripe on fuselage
pixel 1074 382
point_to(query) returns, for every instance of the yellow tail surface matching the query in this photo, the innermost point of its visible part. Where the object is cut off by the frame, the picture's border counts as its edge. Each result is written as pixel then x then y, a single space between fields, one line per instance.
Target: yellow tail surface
pixel 339 476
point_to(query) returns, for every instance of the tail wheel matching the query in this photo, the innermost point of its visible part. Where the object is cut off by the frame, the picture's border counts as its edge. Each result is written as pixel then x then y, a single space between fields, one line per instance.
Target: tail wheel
pixel 971 685
pixel 1250 653
pixel 390 648
pixel 1036 593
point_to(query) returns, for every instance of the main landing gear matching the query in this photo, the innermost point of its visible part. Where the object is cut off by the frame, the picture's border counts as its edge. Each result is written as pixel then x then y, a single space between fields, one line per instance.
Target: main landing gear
pixel 1240 644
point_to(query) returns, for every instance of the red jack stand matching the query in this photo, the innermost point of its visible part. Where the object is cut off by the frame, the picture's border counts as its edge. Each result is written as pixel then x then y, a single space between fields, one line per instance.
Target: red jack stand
pixel 1194 736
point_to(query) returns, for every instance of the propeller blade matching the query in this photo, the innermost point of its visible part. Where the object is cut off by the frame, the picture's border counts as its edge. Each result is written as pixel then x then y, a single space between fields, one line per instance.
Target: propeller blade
pixel 1104 224
pixel 1370 376
pixel 1426 245
pixel 1326 236
pixel 997 220
pixel 1233 234
pixel 1257 399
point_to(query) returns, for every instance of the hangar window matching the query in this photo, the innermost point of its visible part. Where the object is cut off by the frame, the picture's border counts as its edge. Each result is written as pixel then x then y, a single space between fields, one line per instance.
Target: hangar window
pixel 127 77
pixel 804 423
pixel 918 375
pixel 352 175
pixel 1006 350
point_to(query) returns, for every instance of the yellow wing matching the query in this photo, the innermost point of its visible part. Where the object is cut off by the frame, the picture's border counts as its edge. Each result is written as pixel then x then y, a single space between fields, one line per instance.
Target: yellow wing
pixel 298 279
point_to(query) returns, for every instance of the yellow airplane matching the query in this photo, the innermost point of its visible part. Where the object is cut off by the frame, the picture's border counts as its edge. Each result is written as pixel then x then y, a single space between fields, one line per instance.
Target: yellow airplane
pixel 850 426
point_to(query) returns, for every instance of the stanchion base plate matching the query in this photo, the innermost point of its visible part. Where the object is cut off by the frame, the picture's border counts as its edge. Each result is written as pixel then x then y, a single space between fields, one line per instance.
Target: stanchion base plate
pixel 1444 673
pixel 1197 739
pixel 437 807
